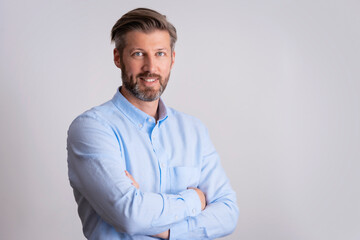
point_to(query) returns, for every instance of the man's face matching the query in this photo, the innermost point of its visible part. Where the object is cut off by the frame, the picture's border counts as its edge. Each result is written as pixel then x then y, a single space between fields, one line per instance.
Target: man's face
pixel 146 63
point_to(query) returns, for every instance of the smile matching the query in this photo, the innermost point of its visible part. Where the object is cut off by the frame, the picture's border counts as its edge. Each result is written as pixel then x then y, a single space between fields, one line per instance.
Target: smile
pixel 149 79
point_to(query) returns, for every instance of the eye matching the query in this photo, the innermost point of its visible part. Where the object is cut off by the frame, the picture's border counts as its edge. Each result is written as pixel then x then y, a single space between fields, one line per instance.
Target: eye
pixel 160 54
pixel 138 54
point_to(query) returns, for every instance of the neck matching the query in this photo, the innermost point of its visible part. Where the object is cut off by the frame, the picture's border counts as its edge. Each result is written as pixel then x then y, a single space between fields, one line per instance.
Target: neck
pixel 149 108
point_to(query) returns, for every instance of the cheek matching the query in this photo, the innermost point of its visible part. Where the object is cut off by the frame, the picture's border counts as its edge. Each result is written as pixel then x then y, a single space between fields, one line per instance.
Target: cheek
pixel 165 67
pixel 132 69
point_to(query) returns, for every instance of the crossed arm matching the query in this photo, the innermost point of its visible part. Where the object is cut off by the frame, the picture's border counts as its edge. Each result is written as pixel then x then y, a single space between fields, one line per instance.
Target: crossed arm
pixel 166 234
pixel 97 174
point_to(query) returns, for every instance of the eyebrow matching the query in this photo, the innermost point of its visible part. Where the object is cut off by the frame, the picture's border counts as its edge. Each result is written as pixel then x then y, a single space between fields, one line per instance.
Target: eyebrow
pixel 140 49
pixel 133 49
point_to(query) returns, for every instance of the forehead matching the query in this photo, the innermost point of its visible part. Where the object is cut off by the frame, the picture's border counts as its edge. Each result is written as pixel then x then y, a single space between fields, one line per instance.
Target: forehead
pixel 153 39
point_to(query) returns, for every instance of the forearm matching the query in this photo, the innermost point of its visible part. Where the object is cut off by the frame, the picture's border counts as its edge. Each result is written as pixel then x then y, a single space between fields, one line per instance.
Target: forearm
pixel 217 220
pixel 166 234
pixel 126 208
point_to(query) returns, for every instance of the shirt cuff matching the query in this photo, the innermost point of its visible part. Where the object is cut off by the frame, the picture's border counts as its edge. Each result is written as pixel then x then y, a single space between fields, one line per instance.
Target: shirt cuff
pixel 192 202
pixel 178 229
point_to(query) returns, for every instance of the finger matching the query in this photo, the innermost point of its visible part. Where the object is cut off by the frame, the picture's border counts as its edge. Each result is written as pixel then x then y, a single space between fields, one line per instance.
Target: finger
pixel 129 176
pixel 134 183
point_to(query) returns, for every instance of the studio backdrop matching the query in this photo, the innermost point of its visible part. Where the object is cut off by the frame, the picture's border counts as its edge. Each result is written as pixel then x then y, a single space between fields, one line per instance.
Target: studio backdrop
pixel 277 83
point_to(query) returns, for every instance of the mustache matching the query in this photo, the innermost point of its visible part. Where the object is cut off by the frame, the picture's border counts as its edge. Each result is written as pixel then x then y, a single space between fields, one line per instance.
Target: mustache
pixel 149 75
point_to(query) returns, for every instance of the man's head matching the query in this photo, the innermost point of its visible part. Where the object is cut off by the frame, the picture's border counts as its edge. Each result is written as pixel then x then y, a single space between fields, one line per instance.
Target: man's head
pixel 144 51
pixel 142 20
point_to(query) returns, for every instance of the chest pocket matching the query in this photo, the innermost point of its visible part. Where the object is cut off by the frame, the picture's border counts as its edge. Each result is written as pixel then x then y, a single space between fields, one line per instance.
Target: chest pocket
pixel 183 177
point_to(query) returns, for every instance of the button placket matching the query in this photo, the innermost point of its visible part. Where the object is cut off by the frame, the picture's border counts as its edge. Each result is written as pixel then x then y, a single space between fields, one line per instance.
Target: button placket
pixel 159 155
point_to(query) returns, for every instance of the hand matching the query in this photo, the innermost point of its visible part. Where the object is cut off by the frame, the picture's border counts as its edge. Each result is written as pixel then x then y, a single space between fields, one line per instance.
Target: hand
pixel 163 235
pixel 201 196
pixel 134 183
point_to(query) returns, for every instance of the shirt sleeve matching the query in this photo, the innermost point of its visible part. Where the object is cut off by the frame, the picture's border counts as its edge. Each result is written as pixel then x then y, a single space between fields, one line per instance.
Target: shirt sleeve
pixel 96 170
pixel 220 216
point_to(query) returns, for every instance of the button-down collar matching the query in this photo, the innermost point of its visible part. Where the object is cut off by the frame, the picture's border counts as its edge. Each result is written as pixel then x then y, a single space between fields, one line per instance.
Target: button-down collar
pixel 135 115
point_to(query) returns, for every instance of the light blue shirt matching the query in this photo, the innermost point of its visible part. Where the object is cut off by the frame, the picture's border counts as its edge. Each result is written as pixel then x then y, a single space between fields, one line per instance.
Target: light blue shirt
pixel 165 157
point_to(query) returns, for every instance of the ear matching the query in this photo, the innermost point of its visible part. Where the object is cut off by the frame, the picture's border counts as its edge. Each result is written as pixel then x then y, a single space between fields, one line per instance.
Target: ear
pixel 172 59
pixel 117 58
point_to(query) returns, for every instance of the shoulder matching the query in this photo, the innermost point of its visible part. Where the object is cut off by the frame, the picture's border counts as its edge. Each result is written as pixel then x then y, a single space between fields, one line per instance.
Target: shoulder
pixel 96 117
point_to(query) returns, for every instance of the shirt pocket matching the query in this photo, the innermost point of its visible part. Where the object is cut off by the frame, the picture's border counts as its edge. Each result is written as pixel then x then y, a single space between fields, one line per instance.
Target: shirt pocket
pixel 183 177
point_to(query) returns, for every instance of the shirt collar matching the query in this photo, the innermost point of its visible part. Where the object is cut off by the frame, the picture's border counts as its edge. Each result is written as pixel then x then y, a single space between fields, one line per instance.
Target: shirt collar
pixel 138 117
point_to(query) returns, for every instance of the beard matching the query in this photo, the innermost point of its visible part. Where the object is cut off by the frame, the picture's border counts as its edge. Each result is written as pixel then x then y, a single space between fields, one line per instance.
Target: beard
pixel 147 94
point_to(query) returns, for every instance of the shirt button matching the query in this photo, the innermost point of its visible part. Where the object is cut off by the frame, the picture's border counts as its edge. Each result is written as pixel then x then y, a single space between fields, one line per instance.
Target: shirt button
pixel 176 217
pixel 149 119
pixel 140 125
pixel 193 211
pixel 162 165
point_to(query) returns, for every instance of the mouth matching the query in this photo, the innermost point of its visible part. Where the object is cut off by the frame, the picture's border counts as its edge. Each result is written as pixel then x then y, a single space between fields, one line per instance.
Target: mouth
pixel 149 79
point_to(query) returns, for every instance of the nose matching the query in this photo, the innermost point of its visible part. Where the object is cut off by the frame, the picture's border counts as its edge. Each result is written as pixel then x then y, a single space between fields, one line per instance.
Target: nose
pixel 149 64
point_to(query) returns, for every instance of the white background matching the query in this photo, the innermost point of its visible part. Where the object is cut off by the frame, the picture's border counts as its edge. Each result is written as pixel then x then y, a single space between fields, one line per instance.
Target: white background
pixel 276 82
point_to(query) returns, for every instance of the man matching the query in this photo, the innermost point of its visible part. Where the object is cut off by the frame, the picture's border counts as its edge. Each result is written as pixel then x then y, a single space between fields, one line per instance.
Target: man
pixel 139 169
